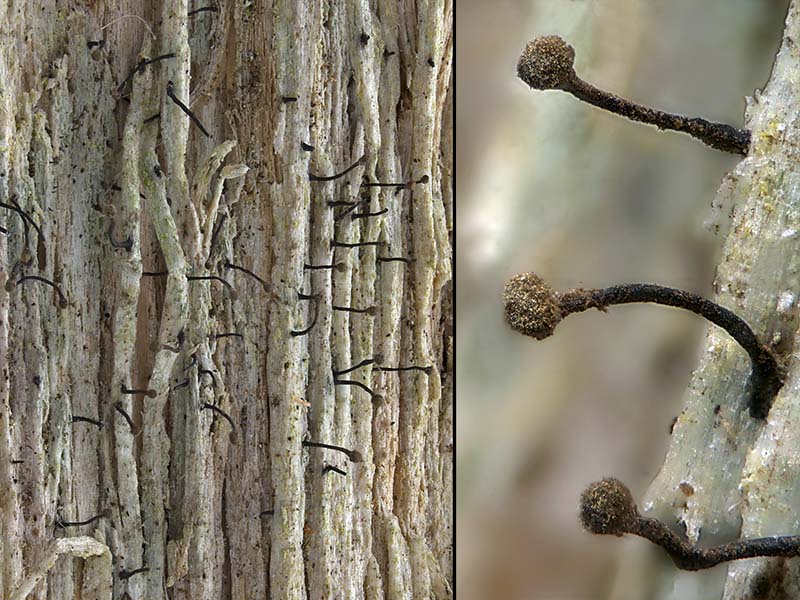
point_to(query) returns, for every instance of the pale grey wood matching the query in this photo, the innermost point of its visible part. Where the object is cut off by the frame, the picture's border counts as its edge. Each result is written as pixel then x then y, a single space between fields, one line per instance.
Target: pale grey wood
pixel 180 492
pixel 742 473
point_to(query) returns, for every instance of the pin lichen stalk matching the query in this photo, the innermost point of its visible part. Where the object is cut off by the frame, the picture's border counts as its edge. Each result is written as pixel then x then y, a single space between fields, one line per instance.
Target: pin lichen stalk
pixel 547 63
pixel 607 508
pixel 534 309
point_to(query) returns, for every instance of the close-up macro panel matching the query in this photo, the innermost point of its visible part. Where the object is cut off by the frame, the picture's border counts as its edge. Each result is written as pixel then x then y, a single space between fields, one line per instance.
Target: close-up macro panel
pixel 628 177
pixel 226 316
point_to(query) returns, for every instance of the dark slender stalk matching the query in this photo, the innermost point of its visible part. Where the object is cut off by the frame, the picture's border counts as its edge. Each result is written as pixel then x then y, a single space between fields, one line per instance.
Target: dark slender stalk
pixel 220 412
pixel 312 177
pixel 140 67
pixel 534 309
pixel 231 291
pixel 426 370
pixel 191 13
pixel 123 574
pixel 148 393
pixel 337 244
pixel 118 407
pixel 370 310
pixel 339 266
pixel 547 63
pixel 607 508
pixel 363 363
pixel 63 303
pixel 25 217
pixel 353 455
pixel 376 398
pixel 349 210
pixel 226 335
pixel 263 283
pixel 401 185
pixel 210 373
pixel 388 259
pixel 367 215
pixel 61 523
pixel 184 108
pixel 78 419
pixel 349 205
pixel 295 333
pixel 149 61
pixel 332 468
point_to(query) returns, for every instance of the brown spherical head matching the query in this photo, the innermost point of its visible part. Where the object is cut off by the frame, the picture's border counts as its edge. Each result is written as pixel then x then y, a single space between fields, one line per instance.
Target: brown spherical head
pixel 546 63
pixel 531 307
pixel 355 456
pixel 607 508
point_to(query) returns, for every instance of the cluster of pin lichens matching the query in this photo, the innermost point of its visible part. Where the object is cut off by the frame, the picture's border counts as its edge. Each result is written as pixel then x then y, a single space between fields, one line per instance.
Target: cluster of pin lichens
pixel 607 507
pixel 534 309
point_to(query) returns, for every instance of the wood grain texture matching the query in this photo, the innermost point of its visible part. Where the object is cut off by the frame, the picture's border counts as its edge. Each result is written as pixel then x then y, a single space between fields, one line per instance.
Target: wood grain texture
pixel 216 508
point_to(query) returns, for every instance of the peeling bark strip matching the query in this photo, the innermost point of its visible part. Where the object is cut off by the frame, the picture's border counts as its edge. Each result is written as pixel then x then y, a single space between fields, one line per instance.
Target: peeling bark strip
pixel 195 483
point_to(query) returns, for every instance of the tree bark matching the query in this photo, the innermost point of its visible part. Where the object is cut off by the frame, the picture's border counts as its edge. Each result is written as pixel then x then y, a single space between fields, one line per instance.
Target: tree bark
pixel 199 480
pixel 727 475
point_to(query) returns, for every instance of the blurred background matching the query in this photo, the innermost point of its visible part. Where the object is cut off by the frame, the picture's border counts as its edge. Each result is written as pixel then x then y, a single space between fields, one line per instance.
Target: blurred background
pixel 583 198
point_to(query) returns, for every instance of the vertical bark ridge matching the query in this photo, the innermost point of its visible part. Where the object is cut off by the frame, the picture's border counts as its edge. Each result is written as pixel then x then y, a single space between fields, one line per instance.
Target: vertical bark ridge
pixel 122 182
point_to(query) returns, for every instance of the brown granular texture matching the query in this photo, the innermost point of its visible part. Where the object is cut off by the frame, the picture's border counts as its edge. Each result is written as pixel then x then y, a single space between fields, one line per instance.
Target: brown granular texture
pixel 546 63
pixel 531 307
pixel 607 507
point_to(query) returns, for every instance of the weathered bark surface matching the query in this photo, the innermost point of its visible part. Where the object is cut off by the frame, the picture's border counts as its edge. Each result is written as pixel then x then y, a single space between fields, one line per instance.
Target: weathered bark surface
pixel 584 199
pixel 122 183
pixel 727 475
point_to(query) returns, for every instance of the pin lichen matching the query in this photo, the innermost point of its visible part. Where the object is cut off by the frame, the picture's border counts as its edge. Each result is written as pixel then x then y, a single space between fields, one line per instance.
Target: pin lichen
pixel 546 63
pixel 531 306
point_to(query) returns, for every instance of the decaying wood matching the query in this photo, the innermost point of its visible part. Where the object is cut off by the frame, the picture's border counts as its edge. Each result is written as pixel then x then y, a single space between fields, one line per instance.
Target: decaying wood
pixel 727 475
pixel 200 481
